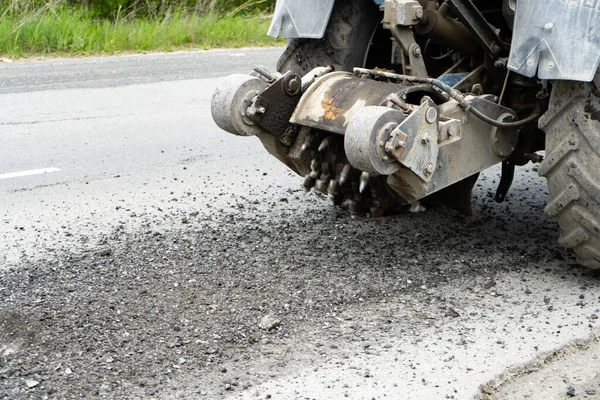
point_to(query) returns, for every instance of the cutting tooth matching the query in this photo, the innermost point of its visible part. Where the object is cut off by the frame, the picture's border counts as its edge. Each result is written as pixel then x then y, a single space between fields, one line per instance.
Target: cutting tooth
pixel 314 165
pixel 309 182
pixel 332 189
pixel 308 143
pixel 321 185
pixel 345 174
pixel 364 181
pixel 325 168
pixel 352 206
pixel 326 143
pixel 417 207
pixel 315 171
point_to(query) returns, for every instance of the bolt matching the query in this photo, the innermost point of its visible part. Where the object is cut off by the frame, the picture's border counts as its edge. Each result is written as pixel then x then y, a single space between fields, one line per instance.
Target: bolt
pixel 428 170
pixel 386 158
pixel 294 84
pixel 500 63
pixel 417 51
pixel 431 115
pixel 400 145
pixel 452 130
pixel 261 110
pixel 426 139
pixel 265 73
pixel 549 26
pixel 419 13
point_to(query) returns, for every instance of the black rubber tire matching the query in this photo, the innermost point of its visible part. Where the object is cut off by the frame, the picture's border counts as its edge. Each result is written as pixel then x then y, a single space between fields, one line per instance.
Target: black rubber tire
pixel 572 126
pixel 345 44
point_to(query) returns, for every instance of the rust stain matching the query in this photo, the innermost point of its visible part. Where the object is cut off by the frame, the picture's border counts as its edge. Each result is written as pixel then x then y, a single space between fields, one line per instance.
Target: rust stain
pixel 335 100
pixel 332 112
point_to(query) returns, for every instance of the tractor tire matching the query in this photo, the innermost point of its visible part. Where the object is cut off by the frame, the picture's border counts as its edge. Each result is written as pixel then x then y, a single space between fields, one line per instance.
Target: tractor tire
pixel 346 42
pixel 572 126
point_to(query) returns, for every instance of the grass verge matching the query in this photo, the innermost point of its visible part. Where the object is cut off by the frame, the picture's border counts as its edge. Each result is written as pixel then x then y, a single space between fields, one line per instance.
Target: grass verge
pixel 70 32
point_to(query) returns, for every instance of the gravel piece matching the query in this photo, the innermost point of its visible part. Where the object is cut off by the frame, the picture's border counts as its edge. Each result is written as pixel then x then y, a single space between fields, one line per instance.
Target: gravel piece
pixel 31 383
pixel 269 323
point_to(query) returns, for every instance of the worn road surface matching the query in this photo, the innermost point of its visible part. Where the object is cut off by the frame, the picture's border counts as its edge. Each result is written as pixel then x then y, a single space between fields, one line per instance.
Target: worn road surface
pixel 145 254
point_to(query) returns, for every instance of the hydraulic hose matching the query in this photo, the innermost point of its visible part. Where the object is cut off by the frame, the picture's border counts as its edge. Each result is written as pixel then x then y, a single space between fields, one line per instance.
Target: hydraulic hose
pixel 458 96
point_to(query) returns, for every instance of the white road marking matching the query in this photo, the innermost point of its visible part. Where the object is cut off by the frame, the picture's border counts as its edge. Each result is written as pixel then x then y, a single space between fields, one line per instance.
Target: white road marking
pixel 28 173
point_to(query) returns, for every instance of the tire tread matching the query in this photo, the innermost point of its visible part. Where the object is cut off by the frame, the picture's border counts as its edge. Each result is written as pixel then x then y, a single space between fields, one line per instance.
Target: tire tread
pixel 571 166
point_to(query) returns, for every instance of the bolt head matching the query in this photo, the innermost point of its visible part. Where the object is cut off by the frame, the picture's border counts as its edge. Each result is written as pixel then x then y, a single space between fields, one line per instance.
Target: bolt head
pixel 431 115
pixel 417 51
pixel 419 13
pixel 294 84
pixel 452 130
pixel 428 170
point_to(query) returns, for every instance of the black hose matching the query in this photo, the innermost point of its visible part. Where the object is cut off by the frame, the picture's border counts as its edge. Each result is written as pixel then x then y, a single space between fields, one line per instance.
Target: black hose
pixel 500 124
pixel 458 96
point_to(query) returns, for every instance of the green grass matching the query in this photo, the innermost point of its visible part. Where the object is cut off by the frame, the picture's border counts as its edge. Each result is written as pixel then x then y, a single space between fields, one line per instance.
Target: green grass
pixel 71 32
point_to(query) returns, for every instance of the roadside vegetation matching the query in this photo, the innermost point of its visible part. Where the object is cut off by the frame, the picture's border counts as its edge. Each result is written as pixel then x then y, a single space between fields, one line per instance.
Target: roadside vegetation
pixel 79 27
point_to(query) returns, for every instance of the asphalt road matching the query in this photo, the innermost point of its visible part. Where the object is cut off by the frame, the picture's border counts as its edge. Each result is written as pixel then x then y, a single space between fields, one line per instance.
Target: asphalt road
pixel 112 174
pixel 107 137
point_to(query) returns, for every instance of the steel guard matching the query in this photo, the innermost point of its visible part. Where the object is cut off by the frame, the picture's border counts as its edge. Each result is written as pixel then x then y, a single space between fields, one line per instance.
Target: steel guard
pixel 301 18
pixel 556 39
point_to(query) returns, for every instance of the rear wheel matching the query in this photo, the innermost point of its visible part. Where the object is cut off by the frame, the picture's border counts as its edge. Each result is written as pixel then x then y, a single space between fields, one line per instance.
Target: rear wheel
pixel 572 126
pixel 345 44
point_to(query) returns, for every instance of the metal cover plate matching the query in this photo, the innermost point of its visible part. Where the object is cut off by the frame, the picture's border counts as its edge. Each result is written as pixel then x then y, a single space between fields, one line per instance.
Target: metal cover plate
pixel 301 19
pixel 557 39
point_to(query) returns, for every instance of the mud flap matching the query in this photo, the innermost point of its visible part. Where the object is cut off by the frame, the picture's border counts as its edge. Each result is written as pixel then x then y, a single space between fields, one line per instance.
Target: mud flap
pixel 556 39
pixel 301 19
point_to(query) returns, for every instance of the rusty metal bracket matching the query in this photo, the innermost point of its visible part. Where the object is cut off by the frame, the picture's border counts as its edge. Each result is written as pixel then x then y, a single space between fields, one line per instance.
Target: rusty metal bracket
pixel 419 150
pixel 273 108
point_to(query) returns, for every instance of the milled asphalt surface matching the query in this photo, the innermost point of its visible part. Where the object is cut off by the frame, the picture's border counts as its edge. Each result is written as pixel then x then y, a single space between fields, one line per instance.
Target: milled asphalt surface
pixel 167 259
